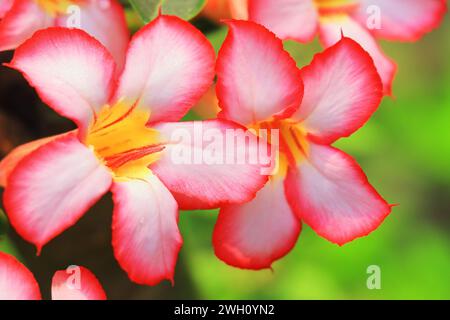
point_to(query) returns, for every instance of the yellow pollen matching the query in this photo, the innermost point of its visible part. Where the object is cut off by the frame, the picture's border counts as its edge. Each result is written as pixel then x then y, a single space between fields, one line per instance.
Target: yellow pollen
pixel 335 7
pixel 120 137
pixel 56 7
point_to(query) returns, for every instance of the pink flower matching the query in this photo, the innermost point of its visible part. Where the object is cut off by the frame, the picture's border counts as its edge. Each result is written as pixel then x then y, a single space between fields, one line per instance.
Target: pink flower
pixel 360 20
pixel 18 283
pixel 259 86
pixel 124 143
pixel 103 19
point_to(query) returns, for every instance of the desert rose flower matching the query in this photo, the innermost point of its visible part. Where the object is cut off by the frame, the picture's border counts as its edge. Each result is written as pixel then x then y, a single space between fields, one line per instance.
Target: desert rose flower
pixel 103 19
pixel 360 20
pixel 259 86
pixel 18 283
pixel 124 143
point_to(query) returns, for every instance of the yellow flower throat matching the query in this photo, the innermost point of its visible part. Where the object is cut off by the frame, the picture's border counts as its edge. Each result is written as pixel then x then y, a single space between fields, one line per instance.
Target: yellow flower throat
pixel 121 139
pixel 292 145
pixel 57 7
pixel 335 7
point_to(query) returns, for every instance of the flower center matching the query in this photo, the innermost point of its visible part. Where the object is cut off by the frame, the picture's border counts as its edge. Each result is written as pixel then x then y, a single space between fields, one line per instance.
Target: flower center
pixel 292 144
pixel 334 7
pixel 55 7
pixel 122 140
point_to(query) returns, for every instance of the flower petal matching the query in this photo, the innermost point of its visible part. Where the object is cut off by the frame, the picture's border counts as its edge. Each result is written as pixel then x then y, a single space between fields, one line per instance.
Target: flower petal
pixel 403 20
pixel 288 19
pixel 342 91
pixel 105 20
pixel 5 6
pixel 256 78
pixel 169 67
pixel 76 283
pixel 71 71
pixel 330 193
pixel 200 165
pixel 8 163
pixel 331 31
pixel 255 234
pixel 19 23
pixel 52 187
pixel 146 238
pixel 16 281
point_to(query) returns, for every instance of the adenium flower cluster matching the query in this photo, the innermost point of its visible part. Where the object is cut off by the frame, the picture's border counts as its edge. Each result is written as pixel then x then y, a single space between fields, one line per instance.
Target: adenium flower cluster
pixel 361 20
pixel 103 19
pixel 127 98
pixel 123 143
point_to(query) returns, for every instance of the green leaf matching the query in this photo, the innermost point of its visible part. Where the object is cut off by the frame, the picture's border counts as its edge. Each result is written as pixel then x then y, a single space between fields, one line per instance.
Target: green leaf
pixel 185 9
pixel 3 223
pixel 147 9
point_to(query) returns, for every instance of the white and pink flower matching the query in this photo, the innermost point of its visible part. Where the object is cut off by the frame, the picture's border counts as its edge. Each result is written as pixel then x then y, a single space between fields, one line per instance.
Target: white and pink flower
pixel 103 19
pixel 123 143
pixel 260 87
pixel 360 20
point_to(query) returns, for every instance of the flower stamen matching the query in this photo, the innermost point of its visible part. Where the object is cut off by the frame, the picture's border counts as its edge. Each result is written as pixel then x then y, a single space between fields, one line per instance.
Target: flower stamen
pixel 120 138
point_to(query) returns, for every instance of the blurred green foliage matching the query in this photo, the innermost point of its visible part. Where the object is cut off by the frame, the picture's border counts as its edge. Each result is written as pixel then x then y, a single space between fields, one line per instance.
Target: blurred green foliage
pixel 185 9
pixel 147 9
pixel 405 151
